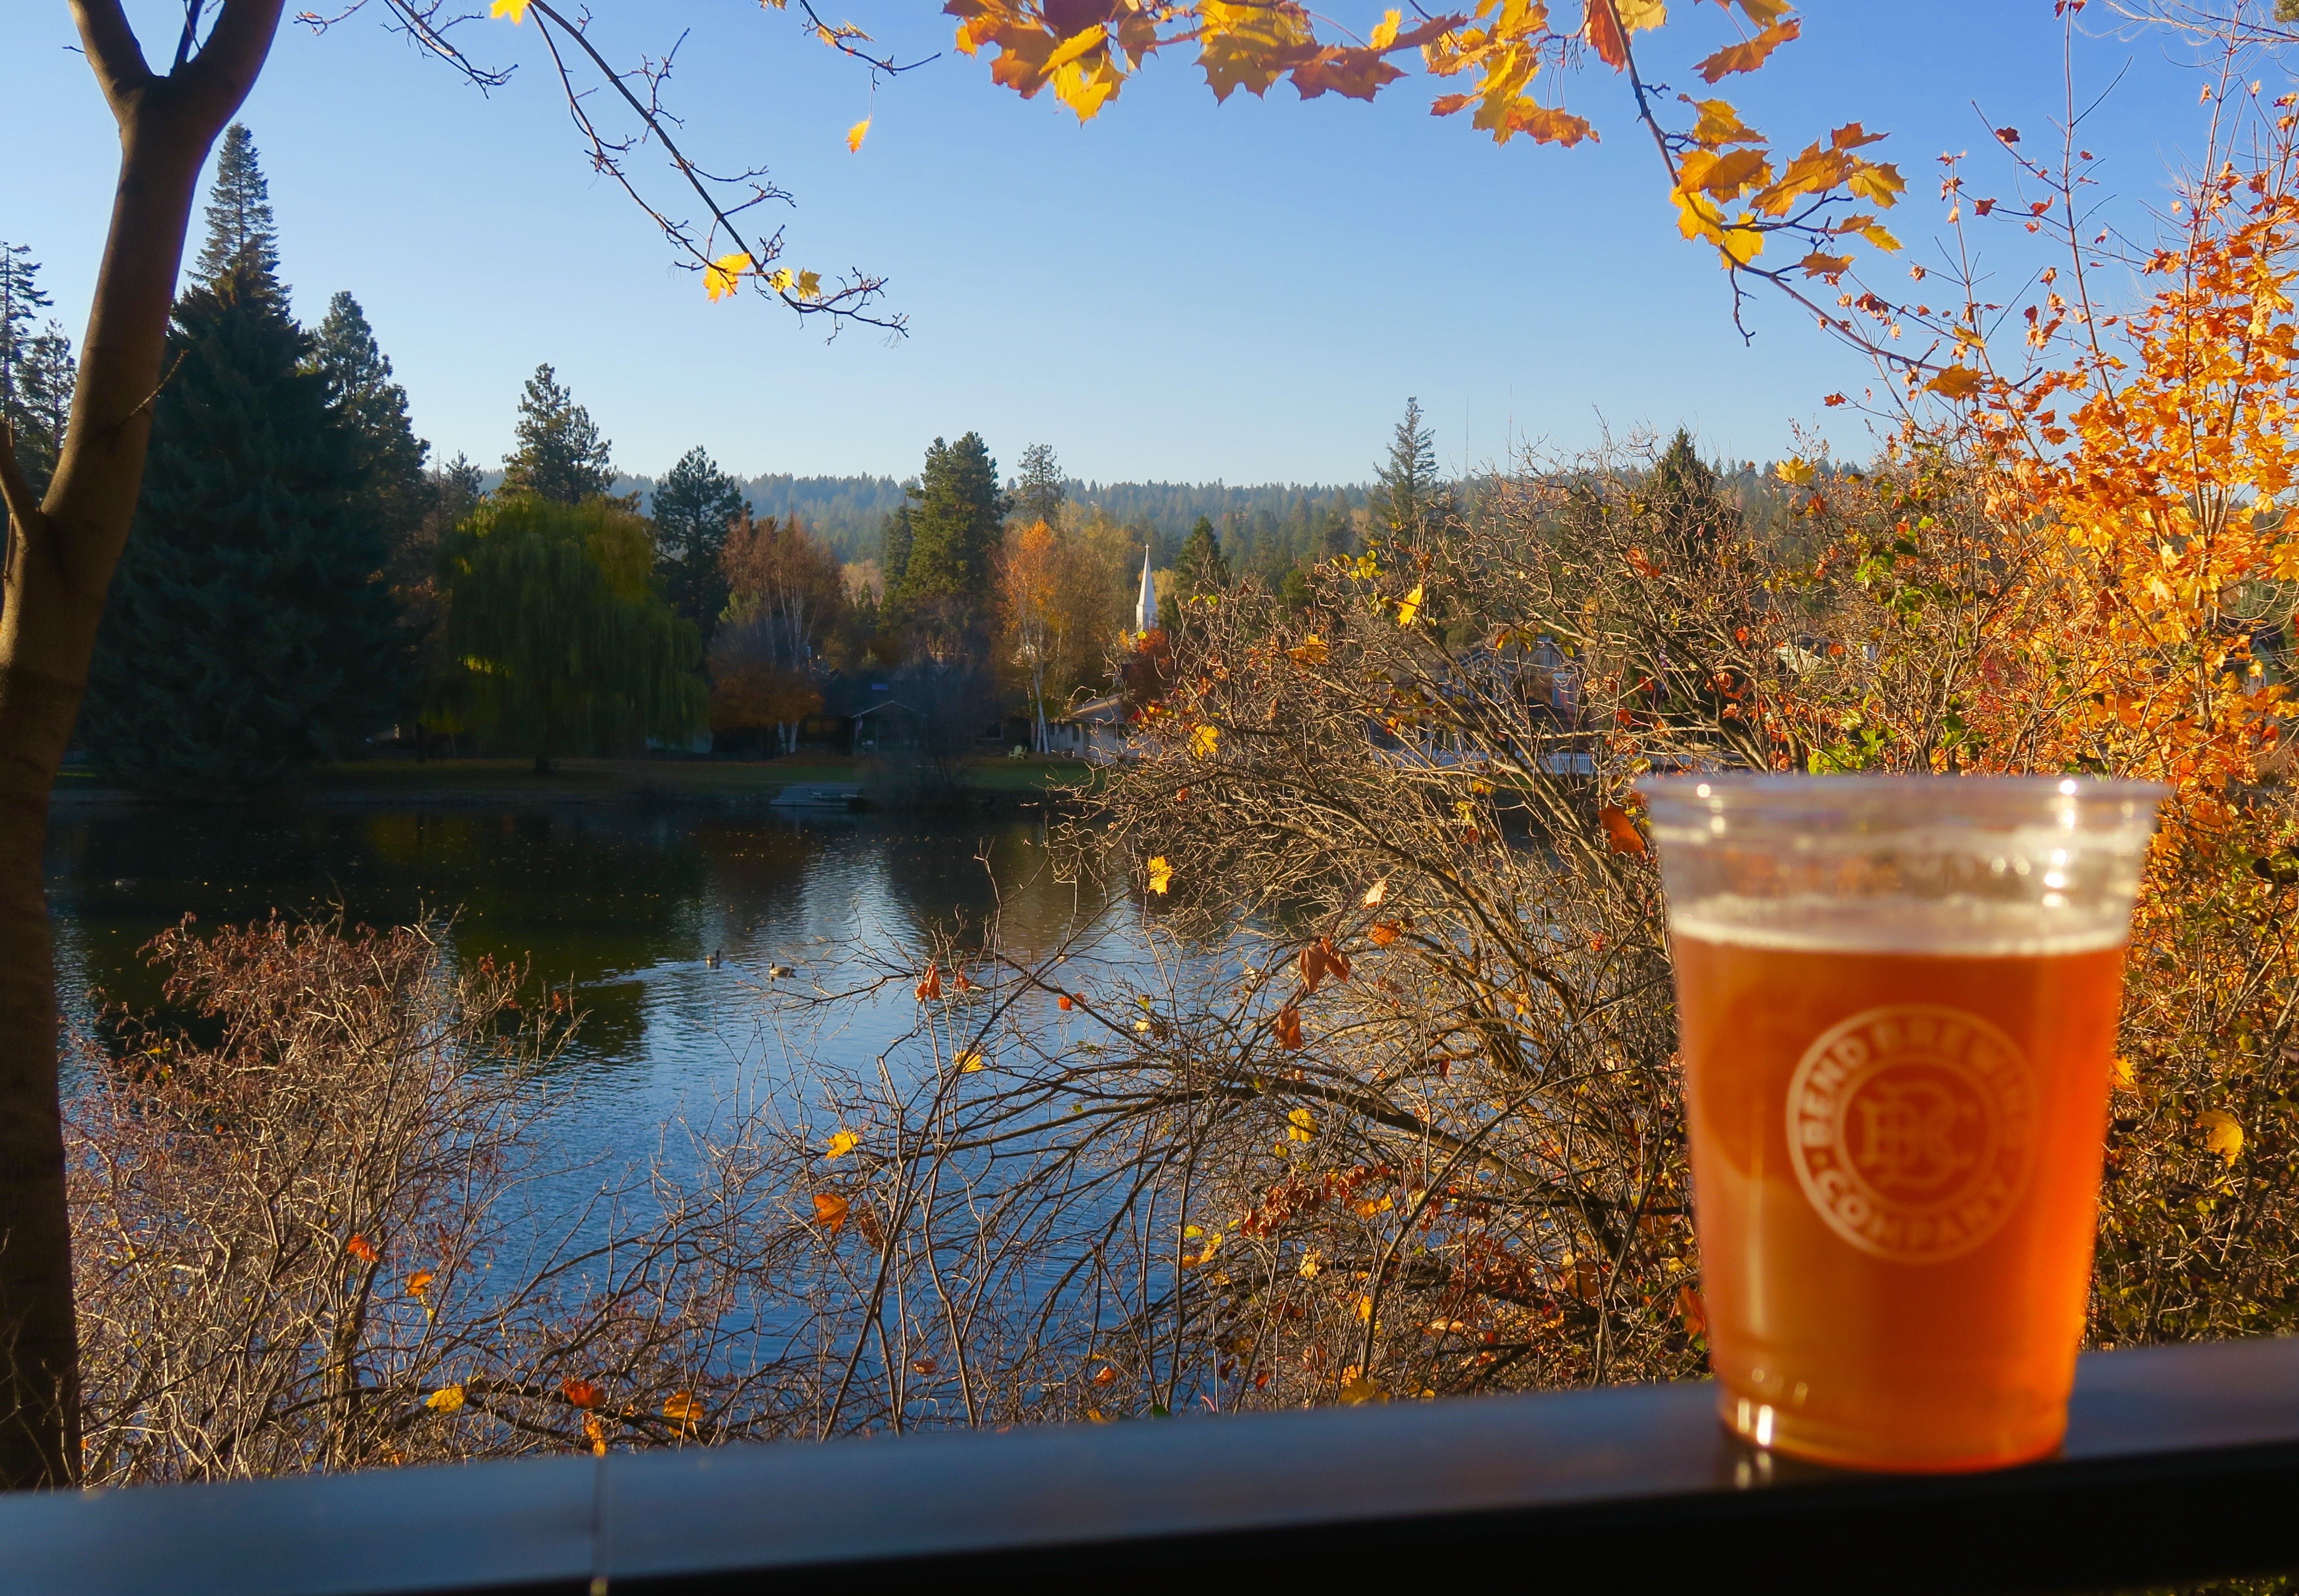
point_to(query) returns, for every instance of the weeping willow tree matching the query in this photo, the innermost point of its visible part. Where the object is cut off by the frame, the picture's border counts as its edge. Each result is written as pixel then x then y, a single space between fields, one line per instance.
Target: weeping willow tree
pixel 564 644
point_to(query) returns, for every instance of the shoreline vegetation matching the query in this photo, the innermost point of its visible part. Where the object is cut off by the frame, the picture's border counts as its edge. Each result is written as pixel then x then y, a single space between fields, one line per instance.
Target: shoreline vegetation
pixel 672 783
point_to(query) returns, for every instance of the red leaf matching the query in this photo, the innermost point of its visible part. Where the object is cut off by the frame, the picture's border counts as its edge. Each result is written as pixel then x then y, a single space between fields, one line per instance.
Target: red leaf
pixel 1620 833
pixel 1289 1028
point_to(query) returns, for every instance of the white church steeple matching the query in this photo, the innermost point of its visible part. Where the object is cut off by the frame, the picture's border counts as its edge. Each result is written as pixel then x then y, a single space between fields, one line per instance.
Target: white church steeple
pixel 1145 608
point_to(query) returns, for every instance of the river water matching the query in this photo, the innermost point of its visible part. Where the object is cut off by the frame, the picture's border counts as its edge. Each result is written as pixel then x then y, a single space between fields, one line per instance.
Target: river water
pixel 627 907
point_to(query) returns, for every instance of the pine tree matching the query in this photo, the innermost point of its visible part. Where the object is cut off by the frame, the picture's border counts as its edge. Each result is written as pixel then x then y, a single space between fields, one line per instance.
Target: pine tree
pixel 241 232
pixel 36 368
pixel 373 410
pixel 1201 565
pixel 20 301
pixel 1408 499
pixel 560 455
pixel 1039 493
pixel 954 525
pixel 693 504
pixel 248 632
pixel 1695 518
pixel 50 376
pixel 894 539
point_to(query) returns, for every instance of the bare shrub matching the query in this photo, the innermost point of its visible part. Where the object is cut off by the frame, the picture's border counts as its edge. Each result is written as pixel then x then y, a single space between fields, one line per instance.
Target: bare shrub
pixel 326 1238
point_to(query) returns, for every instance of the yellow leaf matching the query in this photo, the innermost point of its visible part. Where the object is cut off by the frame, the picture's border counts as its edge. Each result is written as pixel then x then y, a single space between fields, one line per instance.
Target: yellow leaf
pixel 1639 15
pixel 1312 651
pixel 1878 183
pixel 683 1410
pixel 1748 57
pixel 2125 1079
pixel 1301 1126
pixel 1204 740
pixel 1075 48
pixel 1409 606
pixel 516 9
pixel 724 275
pixel 1376 893
pixel 1795 472
pixel 1719 124
pixel 1093 1415
pixel 1161 875
pixel 2221 1134
pixel 1956 382
pixel 1384 33
pixel 1726 174
pixel 1364 1311
pixel 830 1211
pixel 418 1284
pixel 1312 1262
pixel 843 1143
pixel 967 1063
pixel 1759 11
pixel 856 134
pixel 447 1398
pixel 1083 86
pixel 1741 244
pixel 809 284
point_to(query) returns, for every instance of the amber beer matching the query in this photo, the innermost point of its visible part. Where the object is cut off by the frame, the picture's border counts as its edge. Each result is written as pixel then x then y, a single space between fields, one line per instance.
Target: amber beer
pixel 1897 1003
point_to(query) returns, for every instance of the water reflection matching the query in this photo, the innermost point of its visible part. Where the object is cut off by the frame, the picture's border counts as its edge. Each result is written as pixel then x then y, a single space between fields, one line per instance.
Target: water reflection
pixel 627 907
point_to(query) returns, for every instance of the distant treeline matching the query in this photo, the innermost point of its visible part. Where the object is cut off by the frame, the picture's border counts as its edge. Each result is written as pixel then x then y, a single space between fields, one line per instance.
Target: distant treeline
pixel 848 512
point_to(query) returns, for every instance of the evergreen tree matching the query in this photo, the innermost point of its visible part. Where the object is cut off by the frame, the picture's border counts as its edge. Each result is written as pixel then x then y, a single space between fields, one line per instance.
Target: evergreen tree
pixel 248 632
pixel 1201 565
pixel 563 642
pixel 954 526
pixel 1039 493
pixel 894 539
pixel 1695 518
pixel 694 503
pixel 22 301
pixel 1408 498
pixel 36 370
pixel 389 457
pixel 560 455
pixel 241 233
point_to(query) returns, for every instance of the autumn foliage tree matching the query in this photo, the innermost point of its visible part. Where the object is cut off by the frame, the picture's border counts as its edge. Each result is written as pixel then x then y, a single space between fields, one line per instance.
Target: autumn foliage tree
pixel 1058 612
pixel 787 596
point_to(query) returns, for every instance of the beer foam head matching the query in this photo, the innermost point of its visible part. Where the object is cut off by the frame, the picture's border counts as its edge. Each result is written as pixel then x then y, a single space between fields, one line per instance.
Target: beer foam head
pixel 1959 864
pixel 1961 925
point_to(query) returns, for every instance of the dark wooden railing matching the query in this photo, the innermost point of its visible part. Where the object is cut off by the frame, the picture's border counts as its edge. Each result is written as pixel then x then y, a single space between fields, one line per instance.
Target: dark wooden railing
pixel 2181 1464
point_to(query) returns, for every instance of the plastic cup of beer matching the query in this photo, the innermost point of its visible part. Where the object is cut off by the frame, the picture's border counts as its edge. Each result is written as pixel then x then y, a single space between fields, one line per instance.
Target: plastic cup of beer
pixel 1897 1000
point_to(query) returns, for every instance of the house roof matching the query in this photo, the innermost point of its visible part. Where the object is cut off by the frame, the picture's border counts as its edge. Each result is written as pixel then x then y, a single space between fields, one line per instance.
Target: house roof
pixel 1101 712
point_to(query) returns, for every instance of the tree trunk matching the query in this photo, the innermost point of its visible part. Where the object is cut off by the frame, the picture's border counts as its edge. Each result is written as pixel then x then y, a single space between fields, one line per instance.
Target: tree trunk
pixel 60 556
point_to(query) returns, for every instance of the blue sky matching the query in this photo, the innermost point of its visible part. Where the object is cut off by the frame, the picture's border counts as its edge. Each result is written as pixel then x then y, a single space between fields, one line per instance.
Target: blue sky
pixel 1180 290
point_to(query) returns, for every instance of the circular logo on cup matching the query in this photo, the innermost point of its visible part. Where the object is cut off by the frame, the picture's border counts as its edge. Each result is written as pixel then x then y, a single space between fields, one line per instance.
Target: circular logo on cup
pixel 1911 1129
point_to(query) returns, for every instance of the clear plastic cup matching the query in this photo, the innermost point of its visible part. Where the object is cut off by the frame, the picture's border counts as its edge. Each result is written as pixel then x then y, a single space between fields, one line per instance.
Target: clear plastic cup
pixel 1898 999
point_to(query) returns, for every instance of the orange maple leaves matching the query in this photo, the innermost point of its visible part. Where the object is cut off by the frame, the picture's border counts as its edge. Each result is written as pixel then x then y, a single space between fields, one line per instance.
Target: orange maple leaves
pixel 1086 49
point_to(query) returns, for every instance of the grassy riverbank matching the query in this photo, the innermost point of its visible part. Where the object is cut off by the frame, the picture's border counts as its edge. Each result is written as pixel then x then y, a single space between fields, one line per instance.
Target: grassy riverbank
pixel 513 781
